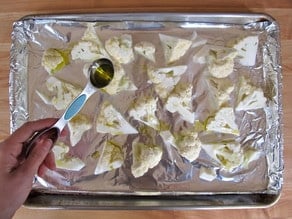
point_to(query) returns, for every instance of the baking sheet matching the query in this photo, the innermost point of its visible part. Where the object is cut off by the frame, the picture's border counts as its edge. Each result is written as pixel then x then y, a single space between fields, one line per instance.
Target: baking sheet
pixel 33 34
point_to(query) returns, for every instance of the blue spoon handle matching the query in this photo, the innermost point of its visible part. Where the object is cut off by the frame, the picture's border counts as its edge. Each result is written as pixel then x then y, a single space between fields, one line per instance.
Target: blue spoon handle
pixel 75 106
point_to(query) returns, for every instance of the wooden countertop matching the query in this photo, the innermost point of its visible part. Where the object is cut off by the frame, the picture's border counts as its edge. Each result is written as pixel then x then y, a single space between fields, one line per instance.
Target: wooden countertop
pixel 281 10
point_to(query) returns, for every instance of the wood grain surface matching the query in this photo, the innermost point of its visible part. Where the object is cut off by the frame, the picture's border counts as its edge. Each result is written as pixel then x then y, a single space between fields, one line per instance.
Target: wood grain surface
pixel 281 10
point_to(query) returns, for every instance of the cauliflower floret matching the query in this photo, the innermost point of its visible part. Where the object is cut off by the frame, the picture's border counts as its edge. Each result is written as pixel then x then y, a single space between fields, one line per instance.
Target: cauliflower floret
pixel 111 121
pixel 90 47
pixel 90 34
pixel 250 97
pixel 64 160
pixel 222 89
pixel 207 174
pixel 77 126
pixel 174 48
pixel 186 142
pixel 255 100
pixel 86 51
pixel 224 122
pixel 54 60
pixel 111 157
pixel 180 100
pixel 144 110
pixel 165 78
pixel 247 49
pixel 228 154
pixel 145 157
pixel 63 93
pixel 146 49
pixel 120 48
pixel 188 145
pixel 220 59
pixel 120 82
pixel 221 62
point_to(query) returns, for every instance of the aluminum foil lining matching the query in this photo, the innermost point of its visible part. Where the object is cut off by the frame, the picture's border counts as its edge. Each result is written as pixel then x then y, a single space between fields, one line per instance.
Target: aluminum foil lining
pixel 260 129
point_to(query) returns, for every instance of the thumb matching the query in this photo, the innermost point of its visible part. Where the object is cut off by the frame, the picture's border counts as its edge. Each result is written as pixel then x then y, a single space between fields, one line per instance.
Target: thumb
pixel 37 157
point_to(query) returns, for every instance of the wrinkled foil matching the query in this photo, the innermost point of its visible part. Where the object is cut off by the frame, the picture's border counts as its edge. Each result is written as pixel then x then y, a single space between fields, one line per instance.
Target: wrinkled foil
pixel 33 34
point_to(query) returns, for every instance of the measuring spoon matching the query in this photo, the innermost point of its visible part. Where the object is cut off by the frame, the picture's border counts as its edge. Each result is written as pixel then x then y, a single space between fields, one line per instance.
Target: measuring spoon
pixel 101 72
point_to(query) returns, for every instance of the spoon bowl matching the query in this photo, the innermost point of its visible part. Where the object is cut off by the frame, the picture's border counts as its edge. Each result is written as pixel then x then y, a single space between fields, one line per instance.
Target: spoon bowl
pixel 101 73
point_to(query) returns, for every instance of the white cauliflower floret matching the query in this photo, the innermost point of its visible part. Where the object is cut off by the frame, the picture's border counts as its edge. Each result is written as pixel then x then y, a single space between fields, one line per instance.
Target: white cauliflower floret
pixel 63 93
pixel 90 34
pixel 221 62
pixel 174 48
pixel 188 145
pixel 247 49
pixel 207 174
pixel 186 142
pixel 120 48
pixel 222 89
pixel 90 47
pixel 54 60
pixel 220 59
pixel 111 121
pixel 230 155
pixel 180 101
pixel 255 100
pixel 64 160
pixel 165 78
pixel 250 97
pixel 223 122
pixel 77 126
pixel 144 110
pixel 120 82
pixel 86 51
pixel 145 157
pixel 146 49
pixel 111 157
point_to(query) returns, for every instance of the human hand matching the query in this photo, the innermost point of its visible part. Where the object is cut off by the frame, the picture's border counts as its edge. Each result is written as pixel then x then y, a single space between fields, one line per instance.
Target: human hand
pixel 16 177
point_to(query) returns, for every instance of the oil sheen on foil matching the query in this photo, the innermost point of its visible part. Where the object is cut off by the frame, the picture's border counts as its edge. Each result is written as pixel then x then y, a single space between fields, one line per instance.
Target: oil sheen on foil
pixel 195 108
